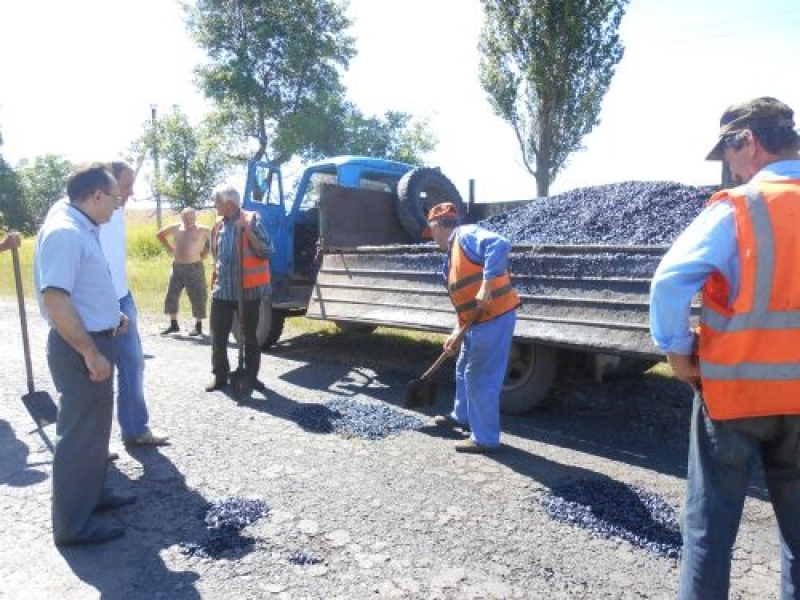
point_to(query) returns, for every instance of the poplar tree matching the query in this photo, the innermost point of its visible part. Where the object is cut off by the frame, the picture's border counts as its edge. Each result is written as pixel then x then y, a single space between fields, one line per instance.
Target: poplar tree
pixel 546 66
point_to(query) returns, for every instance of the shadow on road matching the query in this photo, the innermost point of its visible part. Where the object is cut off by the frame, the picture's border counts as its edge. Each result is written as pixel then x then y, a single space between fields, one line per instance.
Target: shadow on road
pixel 166 514
pixel 14 468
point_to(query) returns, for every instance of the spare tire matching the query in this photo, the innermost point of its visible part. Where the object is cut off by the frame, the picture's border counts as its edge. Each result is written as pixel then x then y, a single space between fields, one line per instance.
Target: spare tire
pixel 417 192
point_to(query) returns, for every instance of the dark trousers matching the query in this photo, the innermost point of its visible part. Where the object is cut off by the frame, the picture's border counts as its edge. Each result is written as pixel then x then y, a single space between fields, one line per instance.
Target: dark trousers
pixel 83 430
pixel 721 455
pixel 221 322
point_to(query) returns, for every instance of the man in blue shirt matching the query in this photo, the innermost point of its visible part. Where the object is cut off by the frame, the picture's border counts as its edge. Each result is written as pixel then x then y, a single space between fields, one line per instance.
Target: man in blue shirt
pixel 77 298
pixel 476 271
pixel 745 401
pixel 132 413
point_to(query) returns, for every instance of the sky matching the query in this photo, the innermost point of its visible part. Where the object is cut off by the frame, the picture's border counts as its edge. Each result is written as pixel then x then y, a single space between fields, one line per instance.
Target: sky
pixel 684 62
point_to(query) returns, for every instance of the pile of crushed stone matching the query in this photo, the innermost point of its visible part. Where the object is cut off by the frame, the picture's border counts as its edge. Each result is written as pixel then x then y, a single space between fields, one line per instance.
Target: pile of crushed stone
pixel 626 213
pixel 225 519
pixel 352 419
pixel 608 508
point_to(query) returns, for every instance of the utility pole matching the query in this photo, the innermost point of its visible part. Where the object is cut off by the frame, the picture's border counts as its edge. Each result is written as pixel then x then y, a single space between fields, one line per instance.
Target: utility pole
pixel 153 109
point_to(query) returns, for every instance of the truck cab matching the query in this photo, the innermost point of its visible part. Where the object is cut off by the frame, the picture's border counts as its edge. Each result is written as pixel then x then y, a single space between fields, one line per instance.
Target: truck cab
pixel 293 224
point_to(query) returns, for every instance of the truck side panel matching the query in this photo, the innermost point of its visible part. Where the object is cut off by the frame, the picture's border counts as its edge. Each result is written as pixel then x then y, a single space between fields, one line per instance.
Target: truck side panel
pixel 581 297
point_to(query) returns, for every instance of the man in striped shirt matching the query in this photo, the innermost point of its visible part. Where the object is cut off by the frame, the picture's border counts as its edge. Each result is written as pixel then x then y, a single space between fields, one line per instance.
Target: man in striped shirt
pixel 226 241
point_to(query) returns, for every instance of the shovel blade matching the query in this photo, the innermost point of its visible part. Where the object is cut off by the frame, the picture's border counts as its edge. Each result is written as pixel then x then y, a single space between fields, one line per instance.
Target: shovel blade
pixel 241 384
pixel 41 408
pixel 420 392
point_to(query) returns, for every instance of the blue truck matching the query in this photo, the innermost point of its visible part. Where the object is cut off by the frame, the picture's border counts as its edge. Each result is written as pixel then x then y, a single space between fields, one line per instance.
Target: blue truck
pixel 293 223
pixel 348 249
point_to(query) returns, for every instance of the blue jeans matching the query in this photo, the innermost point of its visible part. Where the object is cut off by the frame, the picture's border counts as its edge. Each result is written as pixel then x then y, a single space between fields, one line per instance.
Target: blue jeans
pixel 721 454
pixel 480 371
pixel 131 408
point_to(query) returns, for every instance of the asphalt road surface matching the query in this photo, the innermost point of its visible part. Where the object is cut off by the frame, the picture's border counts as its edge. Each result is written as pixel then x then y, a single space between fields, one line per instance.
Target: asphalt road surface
pixel 351 518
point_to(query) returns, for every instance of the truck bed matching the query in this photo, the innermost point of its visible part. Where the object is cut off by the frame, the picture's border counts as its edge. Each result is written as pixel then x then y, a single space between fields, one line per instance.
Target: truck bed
pixel 589 298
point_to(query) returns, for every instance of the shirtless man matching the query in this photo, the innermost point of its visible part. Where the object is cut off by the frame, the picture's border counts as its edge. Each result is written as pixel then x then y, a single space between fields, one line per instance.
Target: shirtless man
pixel 189 248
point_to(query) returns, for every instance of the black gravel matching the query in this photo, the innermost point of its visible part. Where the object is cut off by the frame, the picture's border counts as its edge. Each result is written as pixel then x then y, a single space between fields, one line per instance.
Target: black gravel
pixel 609 509
pixel 234 513
pixel 303 559
pixel 632 212
pixel 352 419
pixel 225 519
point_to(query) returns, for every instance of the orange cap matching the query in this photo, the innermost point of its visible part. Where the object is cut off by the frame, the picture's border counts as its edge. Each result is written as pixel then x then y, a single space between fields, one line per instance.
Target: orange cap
pixel 445 210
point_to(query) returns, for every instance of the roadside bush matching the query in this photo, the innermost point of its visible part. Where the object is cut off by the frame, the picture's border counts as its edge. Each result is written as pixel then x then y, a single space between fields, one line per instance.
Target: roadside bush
pixel 142 243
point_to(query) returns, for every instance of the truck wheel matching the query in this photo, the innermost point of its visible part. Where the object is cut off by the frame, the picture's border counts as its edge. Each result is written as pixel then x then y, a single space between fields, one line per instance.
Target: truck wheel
pixel 355 328
pixel 270 326
pixel 417 192
pixel 529 377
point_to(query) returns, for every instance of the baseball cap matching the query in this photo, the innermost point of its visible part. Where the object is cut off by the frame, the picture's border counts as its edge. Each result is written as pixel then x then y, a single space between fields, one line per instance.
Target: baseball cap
pixel 446 211
pixel 759 113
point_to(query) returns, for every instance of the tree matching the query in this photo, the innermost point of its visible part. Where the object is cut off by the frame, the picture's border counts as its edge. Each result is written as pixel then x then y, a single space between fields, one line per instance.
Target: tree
pixel 546 65
pixel 192 159
pixel 271 63
pixel 43 182
pixel 345 130
pixel 12 205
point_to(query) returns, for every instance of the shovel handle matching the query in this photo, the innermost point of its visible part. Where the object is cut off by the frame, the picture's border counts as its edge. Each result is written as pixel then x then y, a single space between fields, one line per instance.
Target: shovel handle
pixel 23 321
pixel 240 227
pixel 443 356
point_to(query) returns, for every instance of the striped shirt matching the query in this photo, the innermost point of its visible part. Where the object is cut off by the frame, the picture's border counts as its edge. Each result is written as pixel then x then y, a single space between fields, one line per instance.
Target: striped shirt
pixel 227 264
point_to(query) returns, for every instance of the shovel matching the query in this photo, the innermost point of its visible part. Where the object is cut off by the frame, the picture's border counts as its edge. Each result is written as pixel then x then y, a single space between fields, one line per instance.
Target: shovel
pixel 240 380
pixel 39 405
pixel 422 391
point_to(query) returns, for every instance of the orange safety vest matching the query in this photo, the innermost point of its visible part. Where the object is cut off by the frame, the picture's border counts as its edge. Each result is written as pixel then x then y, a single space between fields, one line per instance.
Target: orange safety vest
pixel 463 282
pixel 256 268
pixel 750 347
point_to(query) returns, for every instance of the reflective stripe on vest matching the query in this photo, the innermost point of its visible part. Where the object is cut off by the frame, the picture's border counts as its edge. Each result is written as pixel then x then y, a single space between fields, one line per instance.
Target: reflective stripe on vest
pixel 750 346
pixel 464 279
pixel 256 268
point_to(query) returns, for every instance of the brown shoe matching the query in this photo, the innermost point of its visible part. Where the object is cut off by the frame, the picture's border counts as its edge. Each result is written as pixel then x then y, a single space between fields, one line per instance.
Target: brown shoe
pixel 470 446
pixel 448 421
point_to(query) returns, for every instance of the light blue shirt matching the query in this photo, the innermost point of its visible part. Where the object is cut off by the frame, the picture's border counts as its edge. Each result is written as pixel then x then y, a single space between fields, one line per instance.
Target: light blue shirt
pixel 483 247
pixel 708 244
pixel 68 257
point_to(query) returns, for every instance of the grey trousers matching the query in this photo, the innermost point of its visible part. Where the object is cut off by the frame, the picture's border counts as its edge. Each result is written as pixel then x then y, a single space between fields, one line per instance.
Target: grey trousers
pixel 83 430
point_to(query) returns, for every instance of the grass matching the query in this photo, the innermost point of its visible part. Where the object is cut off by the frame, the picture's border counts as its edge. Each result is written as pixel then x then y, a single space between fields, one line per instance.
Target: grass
pixel 148 275
pixel 148 262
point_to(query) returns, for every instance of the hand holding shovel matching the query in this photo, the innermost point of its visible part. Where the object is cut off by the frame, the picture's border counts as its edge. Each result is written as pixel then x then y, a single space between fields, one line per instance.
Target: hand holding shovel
pixel 422 391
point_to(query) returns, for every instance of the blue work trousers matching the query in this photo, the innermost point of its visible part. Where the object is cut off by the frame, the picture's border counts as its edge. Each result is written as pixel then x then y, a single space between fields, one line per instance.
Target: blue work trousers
pixel 721 454
pixel 480 371
pixel 131 408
